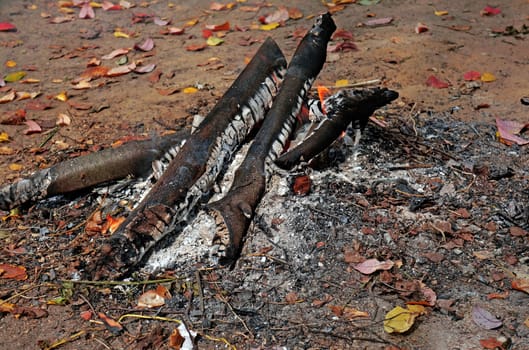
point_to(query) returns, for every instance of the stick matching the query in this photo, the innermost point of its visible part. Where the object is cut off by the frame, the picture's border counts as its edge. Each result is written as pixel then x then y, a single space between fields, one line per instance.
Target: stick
pixel 133 158
pixel 234 212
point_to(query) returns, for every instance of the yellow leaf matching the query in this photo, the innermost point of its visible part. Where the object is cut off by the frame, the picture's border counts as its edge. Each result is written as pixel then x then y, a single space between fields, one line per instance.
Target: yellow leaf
pixel 11 64
pixel 190 90
pixel 15 76
pixel 191 22
pixel 341 83
pixel 269 26
pixel 30 81
pixel 15 167
pixel 400 320
pixel 214 41
pixel 4 137
pixel 94 4
pixel 5 151
pixel 120 34
pixel 66 10
pixel 62 96
pixel 441 13
pixel 487 77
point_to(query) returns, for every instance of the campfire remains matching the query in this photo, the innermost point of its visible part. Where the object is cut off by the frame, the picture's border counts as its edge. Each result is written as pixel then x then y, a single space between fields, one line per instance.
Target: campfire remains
pixel 265 92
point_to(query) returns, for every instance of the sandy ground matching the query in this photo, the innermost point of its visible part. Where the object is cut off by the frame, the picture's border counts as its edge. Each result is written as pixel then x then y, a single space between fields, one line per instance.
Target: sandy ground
pixel 281 297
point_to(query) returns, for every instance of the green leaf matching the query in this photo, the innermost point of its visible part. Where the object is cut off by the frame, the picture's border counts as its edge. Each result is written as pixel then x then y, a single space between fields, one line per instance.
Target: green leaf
pixel 369 2
pixel 214 41
pixel 15 76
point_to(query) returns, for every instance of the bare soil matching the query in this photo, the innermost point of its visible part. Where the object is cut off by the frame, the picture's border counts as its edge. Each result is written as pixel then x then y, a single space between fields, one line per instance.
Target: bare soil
pixel 435 192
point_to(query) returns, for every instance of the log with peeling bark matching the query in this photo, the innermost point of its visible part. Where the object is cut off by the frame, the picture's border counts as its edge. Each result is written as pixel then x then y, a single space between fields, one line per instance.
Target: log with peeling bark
pixel 234 212
pixel 191 174
pixel 131 159
pixel 342 109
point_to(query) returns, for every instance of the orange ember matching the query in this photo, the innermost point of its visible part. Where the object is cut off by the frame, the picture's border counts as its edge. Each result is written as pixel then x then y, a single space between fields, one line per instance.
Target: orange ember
pixel 323 93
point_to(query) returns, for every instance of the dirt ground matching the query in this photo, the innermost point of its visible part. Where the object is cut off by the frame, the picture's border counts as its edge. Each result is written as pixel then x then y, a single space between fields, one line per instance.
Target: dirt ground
pixel 434 192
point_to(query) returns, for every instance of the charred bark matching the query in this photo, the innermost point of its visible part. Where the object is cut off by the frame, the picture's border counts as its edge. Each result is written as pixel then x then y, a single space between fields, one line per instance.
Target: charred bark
pixel 234 212
pixel 133 158
pixel 343 108
pixel 191 174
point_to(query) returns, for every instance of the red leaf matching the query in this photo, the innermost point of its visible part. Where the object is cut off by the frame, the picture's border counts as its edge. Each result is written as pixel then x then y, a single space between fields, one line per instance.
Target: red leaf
pixel 14 118
pixel 206 33
pixel 421 28
pixel 218 27
pixel 434 82
pixel 35 105
pixel 520 284
pixel 301 185
pixel 507 130
pixel 196 47
pixel 113 326
pixel 472 75
pixel 490 11
pixel 146 45
pixel 7 27
pixel 8 271
pixel 33 127
pixel 491 343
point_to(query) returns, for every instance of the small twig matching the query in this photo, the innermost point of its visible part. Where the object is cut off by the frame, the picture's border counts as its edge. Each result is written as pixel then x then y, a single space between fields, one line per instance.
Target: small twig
pixel 439 230
pixel 352 85
pixel 200 292
pixel 225 301
pixel 65 340
pixel 413 119
pixel 51 133
pixel 122 283
pixel 146 317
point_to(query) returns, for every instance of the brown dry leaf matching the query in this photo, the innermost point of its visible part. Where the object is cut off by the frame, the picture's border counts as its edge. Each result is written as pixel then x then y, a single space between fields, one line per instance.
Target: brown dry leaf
pixel 93 73
pixel 168 91
pixel 113 326
pixel 372 265
pixel 516 231
pixel 291 298
pixel 9 271
pixel 112 224
pixel 150 299
pixel 10 96
pixel 520 284
pixel 6 307
pixel 347 312
pixel 176 340
pixel 33 127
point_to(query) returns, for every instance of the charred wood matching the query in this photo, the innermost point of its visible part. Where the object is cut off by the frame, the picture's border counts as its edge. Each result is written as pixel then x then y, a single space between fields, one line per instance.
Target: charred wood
pixel 131 159
pixel 191 174
pixel 342 108
pixel 234 212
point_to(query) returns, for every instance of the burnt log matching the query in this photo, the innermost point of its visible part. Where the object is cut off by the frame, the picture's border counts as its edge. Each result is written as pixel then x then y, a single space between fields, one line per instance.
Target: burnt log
pixel 191 174
pixel 343 108
pixel 234 212
pixel 131 159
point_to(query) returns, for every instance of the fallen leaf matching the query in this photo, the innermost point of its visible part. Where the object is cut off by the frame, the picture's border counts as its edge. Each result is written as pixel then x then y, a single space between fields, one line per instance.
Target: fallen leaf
pixel 168 91
pixel 33 127
pixel 302 185
pixel 146 45
pixel 61 19
pixel 36 105
pixel 62 96
pixel 421 28
pixel 6 307
pixel 10 64
pixel 342 34
pixel 294 13
pixel 341 83
pixel 116 53
pixel 487 77
pixel 269 26
pixel 10 96
pixel 218 27
pixel 516 231
pixel 86 315
pixel 120 34
pixel 182 338
pixel 14 118
pixel 150 299
pixel 173 31
pixel 6 151
pixel 372 265
pixel 7 27
pixel 87 11
pixel 503 295
pixel 434 82
pixel 15 76
pixel 4 137
pixel 113 326
pixel 472 75
pixel 491 343
pixel 342 47
pixel 9 271
pixel 63 120
pixel 176 340
pixel 377 22
pixel 291 298
pixel 190 90
pixel 347 312
pixel 214 41
pixel 31 312
pixel 278 16
pixel 507 130
pixel 112 224
pixel 191 23
pixel 400 320
pixel 206 33
pixel 30 81
pixel 520 284
pixel 490 11
pixel 485 319
pixel 196 47
pixel 145 69
pixel 441 13
pixel 121 70
pixel 93 73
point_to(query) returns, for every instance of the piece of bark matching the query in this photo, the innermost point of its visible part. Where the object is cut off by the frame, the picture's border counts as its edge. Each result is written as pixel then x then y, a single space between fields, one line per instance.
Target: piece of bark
pixel 191 174
pixel 343 108
pixel 133 158
pixel 234 212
